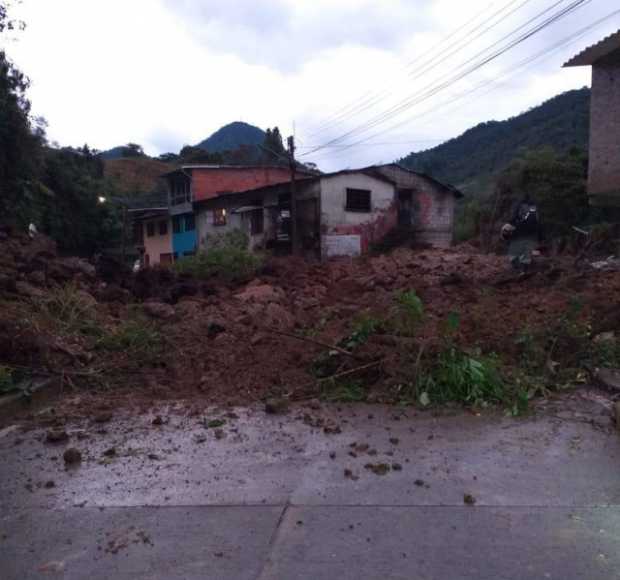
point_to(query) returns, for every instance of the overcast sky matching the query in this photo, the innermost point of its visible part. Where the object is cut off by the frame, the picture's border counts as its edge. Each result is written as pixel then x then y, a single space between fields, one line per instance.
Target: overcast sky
pixel 165 73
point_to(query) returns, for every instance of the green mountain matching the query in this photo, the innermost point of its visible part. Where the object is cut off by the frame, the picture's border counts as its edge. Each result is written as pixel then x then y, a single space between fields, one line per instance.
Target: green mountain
pixel 233 136
pixel 471 160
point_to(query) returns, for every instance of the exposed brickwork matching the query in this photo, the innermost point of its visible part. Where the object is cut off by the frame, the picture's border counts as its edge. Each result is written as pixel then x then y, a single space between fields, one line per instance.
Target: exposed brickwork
pixel 207 183
pixel 433 206
pixel 604 175
pixel 372 231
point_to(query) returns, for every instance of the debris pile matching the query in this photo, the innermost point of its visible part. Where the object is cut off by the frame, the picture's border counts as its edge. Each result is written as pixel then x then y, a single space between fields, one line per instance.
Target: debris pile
pixel 289 331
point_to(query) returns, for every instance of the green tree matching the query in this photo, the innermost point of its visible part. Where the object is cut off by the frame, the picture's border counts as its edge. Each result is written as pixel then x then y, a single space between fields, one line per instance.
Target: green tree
pixel 21 143
pixel 558 184
pixel 273 147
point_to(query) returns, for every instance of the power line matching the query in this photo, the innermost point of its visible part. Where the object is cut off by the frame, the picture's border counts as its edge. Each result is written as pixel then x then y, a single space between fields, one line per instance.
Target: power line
pixel 370 96
pixel 524 64
pixel 428 65
pixel 432 89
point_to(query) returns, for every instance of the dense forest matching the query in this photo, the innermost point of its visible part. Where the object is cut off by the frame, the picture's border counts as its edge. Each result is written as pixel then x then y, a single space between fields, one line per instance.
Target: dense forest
pixel 472 160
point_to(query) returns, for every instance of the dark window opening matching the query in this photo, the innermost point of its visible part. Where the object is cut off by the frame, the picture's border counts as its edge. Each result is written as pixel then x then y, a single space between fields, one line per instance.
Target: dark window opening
pixel 180 190
pixel 176 225
pixel 257 222
pixel 150 229
pixel 138 234
pixel 358 200
pixel 190 223
pixel 163 228
pixel 219 217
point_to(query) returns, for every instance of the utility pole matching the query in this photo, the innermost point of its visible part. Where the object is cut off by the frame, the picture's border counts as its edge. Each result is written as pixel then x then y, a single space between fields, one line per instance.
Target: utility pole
pixel 291 158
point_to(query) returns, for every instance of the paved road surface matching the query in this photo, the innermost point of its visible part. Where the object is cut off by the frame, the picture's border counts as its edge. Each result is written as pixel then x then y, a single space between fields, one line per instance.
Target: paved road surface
pixel 266 498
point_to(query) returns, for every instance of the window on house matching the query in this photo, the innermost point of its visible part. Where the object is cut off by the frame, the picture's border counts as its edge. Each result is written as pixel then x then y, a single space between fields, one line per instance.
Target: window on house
pixel 257 222
pixel 219 217
pixel 190 223
pixel 358 200
pixel 176 224
pixel 150 229
pixel 165 258
pixel 138 233
pixel 163 228
pixel 180 191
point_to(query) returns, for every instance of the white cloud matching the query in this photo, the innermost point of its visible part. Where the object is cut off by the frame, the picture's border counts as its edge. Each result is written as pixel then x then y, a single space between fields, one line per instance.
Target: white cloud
pixel 164 73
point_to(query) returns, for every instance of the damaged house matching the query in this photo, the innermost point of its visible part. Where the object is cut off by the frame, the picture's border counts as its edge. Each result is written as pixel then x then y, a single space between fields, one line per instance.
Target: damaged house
pixel 338 214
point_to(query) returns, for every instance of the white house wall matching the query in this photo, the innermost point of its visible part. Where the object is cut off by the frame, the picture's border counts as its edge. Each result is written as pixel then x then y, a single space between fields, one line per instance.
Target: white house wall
pixel 351 232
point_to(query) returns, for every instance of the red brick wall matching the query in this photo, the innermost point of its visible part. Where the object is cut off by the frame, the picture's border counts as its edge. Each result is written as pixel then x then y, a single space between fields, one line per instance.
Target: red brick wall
pixel 208 183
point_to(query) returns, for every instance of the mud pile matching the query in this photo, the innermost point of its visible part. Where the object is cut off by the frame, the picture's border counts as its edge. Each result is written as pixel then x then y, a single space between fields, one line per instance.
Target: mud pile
pixel 161 336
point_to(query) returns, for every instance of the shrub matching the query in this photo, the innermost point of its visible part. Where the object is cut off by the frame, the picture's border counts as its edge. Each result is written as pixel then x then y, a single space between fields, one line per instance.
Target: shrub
pixel 409 313
pixel 457 376
pixel 137 337
pixel 227 257
pixel 363 327
pixel 6 379
pixel 70 309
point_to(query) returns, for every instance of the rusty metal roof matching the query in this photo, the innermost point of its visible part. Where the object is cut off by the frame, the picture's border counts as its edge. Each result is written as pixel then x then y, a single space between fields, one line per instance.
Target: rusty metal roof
pixel 596 52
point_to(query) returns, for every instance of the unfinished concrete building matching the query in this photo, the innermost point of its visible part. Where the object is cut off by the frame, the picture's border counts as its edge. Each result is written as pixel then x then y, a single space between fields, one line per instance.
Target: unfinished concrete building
pixel 604 170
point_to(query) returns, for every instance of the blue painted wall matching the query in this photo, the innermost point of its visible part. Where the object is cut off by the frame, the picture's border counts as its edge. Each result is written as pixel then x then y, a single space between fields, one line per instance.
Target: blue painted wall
pixel 185 240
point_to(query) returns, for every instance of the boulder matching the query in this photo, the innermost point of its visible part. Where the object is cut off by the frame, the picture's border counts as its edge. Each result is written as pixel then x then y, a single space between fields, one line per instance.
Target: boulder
pixel 28 290
pixel 262 294
pixel 158 310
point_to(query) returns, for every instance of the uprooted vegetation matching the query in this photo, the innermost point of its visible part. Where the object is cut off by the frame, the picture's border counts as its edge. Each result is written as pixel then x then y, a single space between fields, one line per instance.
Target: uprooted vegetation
pixel 426 328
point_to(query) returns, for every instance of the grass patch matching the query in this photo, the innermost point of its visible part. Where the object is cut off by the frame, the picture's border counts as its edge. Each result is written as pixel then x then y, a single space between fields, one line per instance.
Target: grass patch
pixel 6 380
pixel 460 377
pixel 227 258
pixel 137 337
pixel 70 311
pixel 344 392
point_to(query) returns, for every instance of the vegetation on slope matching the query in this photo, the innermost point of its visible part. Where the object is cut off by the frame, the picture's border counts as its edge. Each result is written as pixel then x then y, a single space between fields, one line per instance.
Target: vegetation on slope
pixel 472 160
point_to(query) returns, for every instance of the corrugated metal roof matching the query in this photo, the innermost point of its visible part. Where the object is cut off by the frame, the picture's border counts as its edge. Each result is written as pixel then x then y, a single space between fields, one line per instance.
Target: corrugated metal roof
pixel 596 52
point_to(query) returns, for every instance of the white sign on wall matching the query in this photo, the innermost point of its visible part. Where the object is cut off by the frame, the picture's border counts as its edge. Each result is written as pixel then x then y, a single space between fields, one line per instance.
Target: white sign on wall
pixel 341 245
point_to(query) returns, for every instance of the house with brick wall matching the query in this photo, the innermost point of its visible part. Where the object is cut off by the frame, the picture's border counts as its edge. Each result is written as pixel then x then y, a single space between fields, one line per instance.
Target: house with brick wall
pixel 169 233
pixel 340 213
pixel 604 169
pixel 424 204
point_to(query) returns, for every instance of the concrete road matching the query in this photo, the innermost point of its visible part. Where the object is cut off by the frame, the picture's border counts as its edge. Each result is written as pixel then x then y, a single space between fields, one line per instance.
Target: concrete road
pixel 351 492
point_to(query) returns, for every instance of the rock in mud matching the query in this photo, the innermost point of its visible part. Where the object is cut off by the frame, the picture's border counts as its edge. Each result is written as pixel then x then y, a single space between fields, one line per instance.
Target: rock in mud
pixel 72 456
pixel 103 417
pixel 378 468
pixel 57 436
pixel 158 310
pixel 276 406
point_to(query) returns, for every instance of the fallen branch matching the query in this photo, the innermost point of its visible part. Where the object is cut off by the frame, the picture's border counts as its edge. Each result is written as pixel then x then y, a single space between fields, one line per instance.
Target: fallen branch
pixel 312 341
pixel 315 382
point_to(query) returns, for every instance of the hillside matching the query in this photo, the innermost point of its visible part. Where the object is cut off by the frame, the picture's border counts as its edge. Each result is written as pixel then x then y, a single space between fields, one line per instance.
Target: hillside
pixel 233 136
pixel 469 161
pixel 136 174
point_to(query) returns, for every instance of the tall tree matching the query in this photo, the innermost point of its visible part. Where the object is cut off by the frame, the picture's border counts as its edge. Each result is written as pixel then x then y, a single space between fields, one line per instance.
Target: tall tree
pixel 21 138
